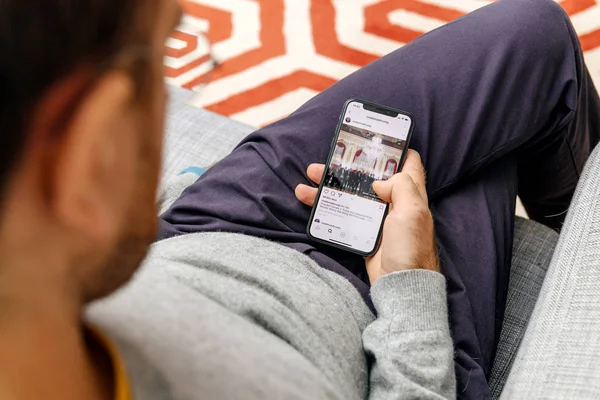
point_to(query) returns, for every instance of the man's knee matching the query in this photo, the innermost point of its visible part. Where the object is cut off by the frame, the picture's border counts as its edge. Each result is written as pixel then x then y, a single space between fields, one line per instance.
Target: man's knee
pixel 540 29
pixel 537 6
pixel 536 18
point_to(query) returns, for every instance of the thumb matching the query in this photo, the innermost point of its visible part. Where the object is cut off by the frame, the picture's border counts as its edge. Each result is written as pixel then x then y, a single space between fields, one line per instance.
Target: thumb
pixel 384 190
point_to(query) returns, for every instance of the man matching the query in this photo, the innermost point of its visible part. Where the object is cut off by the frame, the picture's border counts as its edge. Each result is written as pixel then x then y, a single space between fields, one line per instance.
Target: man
pixel 223 315
pixel 81 117
pixel 354 183
pixel 346 177
pixel 360 183
pixel 363 183
pixel 370 182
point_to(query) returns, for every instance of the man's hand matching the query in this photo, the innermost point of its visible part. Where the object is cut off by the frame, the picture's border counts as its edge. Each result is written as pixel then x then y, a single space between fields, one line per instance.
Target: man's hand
pixel 408 240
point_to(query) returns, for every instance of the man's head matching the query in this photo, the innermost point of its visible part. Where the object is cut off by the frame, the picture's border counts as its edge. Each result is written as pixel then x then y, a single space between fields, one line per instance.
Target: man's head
pixel 81 117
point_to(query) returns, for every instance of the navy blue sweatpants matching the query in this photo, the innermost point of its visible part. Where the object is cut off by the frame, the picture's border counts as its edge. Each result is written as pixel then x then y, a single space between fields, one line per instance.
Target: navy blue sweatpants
pixel 503 105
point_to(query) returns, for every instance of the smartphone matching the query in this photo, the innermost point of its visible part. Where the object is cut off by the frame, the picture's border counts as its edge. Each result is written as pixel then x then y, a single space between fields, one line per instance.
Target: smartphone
pixel 370 143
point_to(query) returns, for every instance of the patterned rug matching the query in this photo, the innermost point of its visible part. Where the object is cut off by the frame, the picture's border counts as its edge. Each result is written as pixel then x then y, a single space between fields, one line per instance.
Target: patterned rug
pixel 273 55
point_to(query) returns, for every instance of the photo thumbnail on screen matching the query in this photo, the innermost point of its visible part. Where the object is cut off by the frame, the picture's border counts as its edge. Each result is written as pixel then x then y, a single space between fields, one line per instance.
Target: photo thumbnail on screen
pixel 360 158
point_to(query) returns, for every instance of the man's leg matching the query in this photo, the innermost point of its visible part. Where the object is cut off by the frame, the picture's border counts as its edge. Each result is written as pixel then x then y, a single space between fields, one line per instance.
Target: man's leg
pixel 489 92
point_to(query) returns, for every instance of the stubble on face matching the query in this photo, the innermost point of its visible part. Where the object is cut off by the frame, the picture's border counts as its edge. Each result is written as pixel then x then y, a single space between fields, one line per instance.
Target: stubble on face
pixel 139 227
pixel 138 231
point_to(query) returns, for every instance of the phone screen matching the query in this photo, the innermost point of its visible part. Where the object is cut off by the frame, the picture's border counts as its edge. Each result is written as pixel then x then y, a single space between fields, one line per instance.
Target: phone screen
pixel 369 146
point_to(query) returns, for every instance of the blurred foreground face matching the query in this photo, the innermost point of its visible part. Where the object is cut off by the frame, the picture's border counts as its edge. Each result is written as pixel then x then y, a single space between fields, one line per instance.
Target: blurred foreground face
pixel 82 104
pixel 138 216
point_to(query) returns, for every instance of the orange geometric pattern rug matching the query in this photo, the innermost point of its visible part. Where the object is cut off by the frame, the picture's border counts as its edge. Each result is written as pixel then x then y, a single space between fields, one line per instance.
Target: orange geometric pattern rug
pixel 276 54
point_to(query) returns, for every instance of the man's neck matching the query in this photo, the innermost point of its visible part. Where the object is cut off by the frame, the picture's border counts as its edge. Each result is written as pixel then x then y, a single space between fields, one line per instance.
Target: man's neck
pixel 47 354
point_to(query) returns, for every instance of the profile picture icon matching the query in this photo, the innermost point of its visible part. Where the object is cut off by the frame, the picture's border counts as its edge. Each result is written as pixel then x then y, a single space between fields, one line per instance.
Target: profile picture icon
pixel 348 120
pixel 318 221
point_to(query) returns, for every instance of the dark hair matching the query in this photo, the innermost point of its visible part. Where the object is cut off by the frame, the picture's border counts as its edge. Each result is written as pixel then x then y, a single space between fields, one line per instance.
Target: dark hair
pixel 41 42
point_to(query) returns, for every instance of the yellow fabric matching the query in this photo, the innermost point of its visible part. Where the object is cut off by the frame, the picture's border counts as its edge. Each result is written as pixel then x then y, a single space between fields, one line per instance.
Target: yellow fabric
pixel 122 386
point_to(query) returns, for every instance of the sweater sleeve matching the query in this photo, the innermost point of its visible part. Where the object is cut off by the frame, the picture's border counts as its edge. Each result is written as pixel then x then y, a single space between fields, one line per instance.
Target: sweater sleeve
pixel 409 342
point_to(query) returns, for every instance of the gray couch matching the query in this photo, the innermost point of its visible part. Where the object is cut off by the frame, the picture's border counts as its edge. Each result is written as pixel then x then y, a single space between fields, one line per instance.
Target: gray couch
pixel 550 340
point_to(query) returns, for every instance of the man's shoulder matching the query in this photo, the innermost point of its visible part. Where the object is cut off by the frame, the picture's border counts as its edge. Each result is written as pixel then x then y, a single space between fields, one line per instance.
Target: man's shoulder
pixel 207 310
pixel 178 343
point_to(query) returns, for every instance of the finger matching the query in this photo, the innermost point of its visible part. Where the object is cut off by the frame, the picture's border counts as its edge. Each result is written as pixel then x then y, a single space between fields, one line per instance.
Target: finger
pixel 306 194
pixel 414 167
pixel 399 189
pixel 405 192
pixel 315 172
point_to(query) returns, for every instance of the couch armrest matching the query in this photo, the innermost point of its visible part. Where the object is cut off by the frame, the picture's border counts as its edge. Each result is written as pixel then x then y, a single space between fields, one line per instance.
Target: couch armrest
pixel 559 357
pixel 533 247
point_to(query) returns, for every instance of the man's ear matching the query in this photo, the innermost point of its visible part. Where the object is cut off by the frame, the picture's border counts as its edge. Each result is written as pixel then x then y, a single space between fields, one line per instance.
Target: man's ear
pixel 88 165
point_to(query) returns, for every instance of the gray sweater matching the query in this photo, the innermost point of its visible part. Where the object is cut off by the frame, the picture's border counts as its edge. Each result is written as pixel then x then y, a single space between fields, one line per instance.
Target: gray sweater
pixel 226 316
